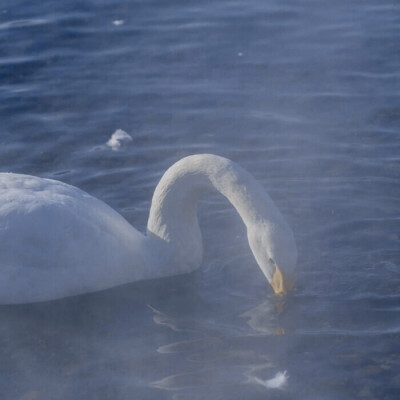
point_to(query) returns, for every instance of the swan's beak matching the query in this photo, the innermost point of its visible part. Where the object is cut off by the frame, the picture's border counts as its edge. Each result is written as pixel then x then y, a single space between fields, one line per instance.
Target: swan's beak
pixel 281 283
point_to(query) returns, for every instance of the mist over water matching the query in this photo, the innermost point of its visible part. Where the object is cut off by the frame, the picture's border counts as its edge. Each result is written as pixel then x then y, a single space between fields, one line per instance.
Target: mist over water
pixel 304 95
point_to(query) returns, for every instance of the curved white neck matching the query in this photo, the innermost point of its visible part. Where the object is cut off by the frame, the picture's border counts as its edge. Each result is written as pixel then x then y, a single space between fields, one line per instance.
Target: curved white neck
pixel 173 214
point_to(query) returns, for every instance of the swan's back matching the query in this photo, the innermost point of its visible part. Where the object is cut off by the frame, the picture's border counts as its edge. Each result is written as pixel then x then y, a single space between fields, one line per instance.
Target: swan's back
pixel 55 241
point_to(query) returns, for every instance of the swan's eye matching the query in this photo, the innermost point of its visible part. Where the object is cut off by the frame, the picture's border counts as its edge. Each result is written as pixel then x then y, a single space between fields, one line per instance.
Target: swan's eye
pixel 271 261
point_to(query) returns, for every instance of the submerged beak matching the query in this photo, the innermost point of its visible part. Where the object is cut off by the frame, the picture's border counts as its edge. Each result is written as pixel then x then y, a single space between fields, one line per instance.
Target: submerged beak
pixel 281 283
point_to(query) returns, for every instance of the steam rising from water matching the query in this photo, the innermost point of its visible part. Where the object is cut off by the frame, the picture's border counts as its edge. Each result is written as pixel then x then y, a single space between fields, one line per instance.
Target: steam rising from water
pixel 302 94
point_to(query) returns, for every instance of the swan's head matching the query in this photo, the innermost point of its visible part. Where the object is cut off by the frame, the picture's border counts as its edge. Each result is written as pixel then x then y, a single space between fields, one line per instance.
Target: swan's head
pixel 274 248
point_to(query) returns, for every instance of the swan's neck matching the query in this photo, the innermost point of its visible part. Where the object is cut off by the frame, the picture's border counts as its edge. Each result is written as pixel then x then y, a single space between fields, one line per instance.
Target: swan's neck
pixel 173 214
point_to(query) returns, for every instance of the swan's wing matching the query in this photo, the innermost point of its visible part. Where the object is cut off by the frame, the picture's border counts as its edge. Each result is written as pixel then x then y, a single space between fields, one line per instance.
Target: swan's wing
pixel 56 240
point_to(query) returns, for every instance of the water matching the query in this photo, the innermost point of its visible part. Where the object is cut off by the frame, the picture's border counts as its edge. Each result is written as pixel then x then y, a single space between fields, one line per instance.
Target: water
pixel 306 96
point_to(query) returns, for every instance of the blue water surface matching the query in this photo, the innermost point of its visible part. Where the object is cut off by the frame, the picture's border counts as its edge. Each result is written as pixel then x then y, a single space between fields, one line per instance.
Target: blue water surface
pixel 306 96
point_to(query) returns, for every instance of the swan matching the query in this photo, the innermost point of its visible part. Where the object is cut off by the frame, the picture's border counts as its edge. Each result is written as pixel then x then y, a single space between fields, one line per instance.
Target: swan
pixel 58 241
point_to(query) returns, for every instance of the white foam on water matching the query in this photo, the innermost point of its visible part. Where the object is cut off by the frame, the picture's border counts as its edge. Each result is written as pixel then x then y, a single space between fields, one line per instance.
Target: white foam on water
pixel 279 381
pixel 119 140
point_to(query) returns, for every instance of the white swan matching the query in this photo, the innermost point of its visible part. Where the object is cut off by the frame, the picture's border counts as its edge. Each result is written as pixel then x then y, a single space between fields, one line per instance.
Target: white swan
pixel 58 241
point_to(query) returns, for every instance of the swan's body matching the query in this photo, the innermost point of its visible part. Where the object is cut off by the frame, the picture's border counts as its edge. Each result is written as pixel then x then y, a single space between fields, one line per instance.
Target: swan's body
pixel 58 241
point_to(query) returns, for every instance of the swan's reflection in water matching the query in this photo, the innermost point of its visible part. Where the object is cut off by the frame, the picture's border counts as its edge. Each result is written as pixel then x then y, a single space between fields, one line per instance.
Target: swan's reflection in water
pixel 264 318
pixel 171 340
pixel 214 360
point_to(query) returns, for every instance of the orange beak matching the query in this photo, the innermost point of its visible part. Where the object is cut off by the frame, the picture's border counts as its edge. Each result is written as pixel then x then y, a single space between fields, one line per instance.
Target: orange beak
pixel 281 283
